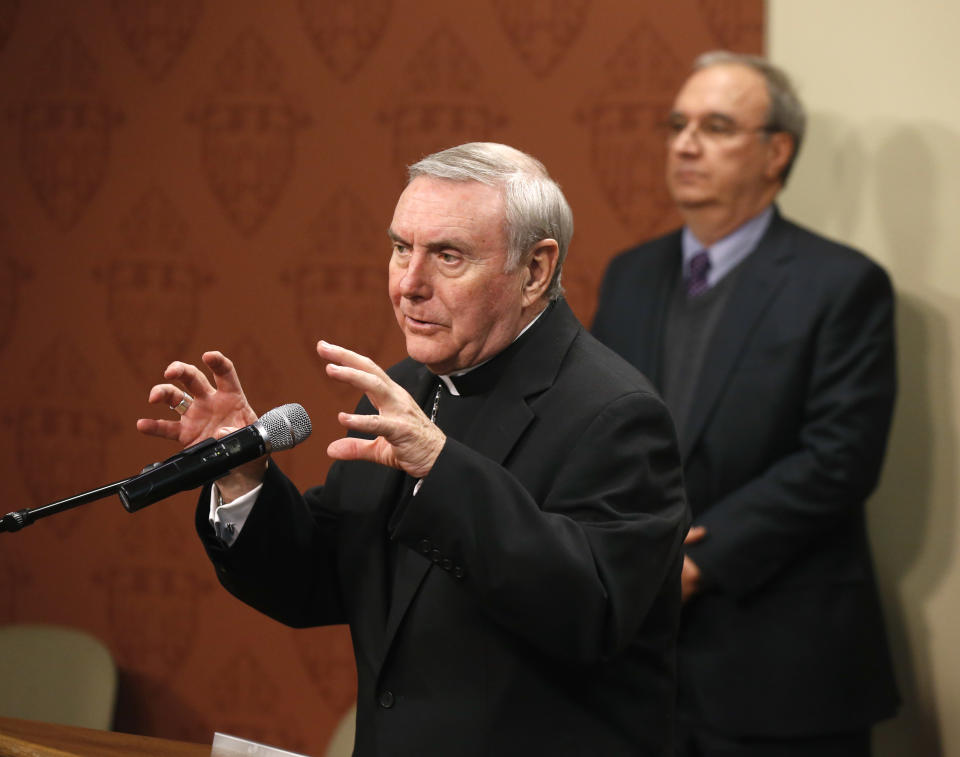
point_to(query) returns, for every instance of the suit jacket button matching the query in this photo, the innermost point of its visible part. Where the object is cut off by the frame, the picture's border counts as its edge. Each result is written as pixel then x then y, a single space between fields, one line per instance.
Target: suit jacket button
pixel 458 572
pixel 386 699
pixel 446 563
pixel 435 555
pixel 424 546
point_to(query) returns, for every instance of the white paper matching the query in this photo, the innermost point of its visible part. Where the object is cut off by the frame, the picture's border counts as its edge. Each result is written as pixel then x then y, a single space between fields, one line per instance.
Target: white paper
pixel 231 746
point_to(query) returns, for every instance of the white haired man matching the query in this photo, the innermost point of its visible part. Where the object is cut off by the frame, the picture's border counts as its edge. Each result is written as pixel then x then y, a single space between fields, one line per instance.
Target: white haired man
pixel 502 529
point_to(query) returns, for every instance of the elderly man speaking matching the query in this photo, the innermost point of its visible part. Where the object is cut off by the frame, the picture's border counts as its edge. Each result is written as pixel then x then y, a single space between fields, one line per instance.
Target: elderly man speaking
pixel 502 529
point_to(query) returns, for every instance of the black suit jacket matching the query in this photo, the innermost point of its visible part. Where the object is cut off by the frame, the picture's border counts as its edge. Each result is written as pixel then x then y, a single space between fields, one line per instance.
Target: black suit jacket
pixel 784 443
pixel 527 601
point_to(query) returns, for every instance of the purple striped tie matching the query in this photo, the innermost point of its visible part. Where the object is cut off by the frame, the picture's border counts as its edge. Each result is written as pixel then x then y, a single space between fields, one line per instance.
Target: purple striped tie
pixel 698 268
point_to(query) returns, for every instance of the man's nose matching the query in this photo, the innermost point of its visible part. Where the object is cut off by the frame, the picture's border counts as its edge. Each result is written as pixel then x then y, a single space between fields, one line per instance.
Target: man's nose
pixel 415 281
pixel 687 140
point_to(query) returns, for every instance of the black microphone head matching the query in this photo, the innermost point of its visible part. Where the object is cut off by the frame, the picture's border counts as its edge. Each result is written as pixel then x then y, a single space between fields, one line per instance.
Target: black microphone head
pixel 285 426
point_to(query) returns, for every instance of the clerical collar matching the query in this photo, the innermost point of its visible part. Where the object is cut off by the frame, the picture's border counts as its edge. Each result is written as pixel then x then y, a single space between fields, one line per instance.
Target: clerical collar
pixel 480 377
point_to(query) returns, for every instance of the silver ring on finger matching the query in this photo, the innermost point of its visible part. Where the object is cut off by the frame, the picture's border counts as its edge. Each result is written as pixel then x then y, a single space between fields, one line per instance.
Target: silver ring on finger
pixel 183 405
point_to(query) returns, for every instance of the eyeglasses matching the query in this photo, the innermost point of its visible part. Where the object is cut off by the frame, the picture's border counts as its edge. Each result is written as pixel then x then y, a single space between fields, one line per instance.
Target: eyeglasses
pixel 712 128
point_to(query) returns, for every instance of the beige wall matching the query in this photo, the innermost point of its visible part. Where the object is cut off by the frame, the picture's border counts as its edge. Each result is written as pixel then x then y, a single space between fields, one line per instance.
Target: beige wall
pixel 881 170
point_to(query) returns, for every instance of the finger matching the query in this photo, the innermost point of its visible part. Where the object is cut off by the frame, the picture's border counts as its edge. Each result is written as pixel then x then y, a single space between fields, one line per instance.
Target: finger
pixel 163 429
pixel 374 425
pixel 224 371
pixel 342 356
pixel 375 388
pixel 350 448
pixel 189 376
pixel 166 394
pixel 359 379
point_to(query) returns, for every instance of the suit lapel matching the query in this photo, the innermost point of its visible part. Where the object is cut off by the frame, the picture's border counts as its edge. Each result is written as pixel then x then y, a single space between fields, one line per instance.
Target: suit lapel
pixel 532 369
pixel 761 279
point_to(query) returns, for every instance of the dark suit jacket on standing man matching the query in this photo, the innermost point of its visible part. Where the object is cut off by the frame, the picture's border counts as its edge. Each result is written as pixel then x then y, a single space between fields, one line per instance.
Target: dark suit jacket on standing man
pixel 783 443
pixel 525 600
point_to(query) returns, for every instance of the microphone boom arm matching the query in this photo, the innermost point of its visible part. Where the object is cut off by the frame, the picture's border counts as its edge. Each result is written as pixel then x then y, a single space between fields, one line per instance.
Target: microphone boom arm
pixel 207 460
pixel 16 520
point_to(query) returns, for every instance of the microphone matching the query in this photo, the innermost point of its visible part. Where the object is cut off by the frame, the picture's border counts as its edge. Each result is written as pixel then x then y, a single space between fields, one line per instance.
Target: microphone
pixel 278 429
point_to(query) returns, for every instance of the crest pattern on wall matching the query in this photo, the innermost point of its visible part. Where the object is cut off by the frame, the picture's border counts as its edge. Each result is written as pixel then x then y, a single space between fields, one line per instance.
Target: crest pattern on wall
pixel 544 30
pixel 153 286
pixel 442 99
pixel 66 125
pixel 623 118
pixel 248 129
pixel 157 31
pixel 345 32
pixel 342 297
pixel 185 175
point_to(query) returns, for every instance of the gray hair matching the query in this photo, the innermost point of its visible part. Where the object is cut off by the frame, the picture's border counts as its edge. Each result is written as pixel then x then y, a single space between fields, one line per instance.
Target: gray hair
pixel 535 206
pixel 786 112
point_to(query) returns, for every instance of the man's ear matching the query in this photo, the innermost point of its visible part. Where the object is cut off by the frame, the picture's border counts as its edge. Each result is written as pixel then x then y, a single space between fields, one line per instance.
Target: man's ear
pixel 782 146
pixel 538 270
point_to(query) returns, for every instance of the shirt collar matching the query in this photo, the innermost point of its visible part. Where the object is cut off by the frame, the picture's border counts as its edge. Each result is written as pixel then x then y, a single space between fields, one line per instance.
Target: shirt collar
pixel 727 253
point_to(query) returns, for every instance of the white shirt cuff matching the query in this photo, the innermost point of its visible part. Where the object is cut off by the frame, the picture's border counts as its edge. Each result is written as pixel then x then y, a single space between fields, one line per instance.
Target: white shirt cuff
pixel 228 519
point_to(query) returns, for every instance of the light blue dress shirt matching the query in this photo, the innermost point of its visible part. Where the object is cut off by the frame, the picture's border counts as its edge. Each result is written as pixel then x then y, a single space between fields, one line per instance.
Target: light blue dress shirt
pixel 727 253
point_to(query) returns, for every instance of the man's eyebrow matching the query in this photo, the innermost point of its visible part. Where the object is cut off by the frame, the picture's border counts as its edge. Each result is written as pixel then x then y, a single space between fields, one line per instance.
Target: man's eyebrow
pixel 394 237
pixel 718 116
pixel 434 246
pixel 713 114
pixel 447 244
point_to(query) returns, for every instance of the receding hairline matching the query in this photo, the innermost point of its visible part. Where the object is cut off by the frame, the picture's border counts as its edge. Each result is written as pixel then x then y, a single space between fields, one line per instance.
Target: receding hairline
pixel 453 240
pixel 534 204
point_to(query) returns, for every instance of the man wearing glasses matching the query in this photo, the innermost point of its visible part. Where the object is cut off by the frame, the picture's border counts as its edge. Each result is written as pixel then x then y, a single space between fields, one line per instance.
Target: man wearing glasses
pixel 774 350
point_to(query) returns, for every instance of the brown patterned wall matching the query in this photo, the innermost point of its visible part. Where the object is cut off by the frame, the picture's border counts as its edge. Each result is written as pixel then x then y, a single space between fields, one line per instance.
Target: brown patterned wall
pixel 180 175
